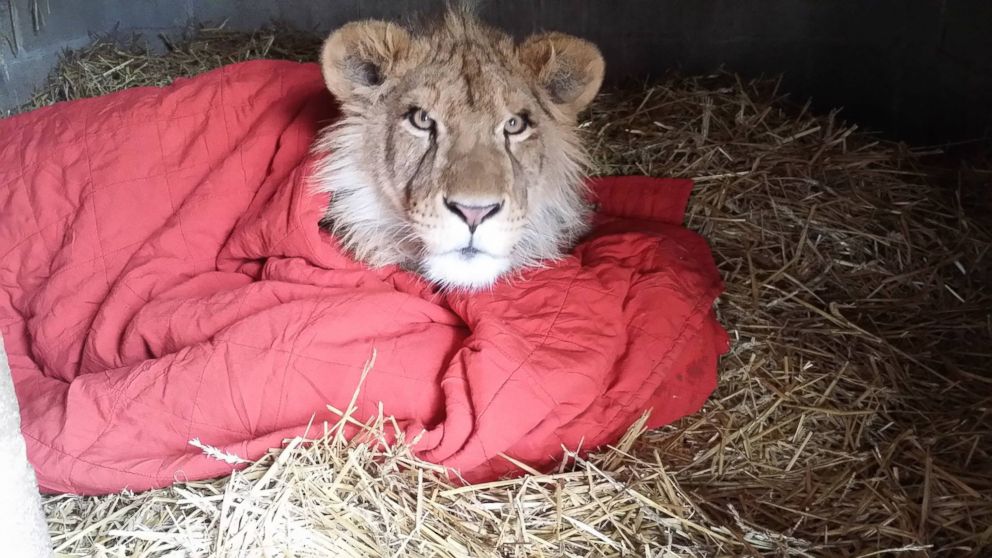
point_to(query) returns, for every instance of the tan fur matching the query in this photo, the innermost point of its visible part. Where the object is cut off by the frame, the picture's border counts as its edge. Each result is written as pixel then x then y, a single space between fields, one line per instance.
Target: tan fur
pixel 396 187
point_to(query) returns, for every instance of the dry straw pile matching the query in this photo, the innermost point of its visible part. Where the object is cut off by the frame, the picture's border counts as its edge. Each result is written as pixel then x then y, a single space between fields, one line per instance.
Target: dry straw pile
pixel 852 417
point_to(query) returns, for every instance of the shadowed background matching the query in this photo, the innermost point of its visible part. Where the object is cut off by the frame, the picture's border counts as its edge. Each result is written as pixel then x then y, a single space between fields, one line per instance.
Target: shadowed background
pixel 919 70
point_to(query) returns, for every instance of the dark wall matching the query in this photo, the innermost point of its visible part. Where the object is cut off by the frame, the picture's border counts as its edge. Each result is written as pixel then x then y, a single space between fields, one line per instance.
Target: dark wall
pixel 33 32
pixel 916 69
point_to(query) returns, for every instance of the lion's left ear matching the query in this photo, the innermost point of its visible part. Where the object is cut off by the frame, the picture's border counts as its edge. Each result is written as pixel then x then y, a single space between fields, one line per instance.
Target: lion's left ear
pixel 570 69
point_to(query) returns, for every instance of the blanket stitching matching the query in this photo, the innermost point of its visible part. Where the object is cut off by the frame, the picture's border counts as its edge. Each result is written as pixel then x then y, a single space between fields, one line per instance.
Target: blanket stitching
pixel 199 383
pixel 34 212
pixel 117 396
pixel 349 365
pixel 96 218
pixel 709 293
pixel 76 458
pixel 196 399
pixel 140 403
pixel 93 259
pixel 34 218
pixel 554 322
pixel 74 265
pixel 292 356
pixel 24 166
pixel 59 345
pixel 677 343
pixel 106 274
pixel 172 201
pixel 623 409
pixel 123 283
pixel 225 77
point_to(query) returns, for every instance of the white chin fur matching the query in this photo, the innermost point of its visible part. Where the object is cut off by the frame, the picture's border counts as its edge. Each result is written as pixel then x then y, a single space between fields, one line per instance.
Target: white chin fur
pixel 453 270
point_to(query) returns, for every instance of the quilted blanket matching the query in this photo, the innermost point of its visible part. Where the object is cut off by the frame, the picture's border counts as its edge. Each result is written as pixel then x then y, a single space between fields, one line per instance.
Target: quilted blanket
pixel 163 278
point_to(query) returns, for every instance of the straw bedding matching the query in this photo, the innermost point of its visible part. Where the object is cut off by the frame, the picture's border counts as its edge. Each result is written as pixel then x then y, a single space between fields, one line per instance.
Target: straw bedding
pixel 852 417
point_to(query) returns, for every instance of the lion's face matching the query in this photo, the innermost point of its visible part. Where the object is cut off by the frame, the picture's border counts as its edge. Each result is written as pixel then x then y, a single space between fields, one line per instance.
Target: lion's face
pixel 457 155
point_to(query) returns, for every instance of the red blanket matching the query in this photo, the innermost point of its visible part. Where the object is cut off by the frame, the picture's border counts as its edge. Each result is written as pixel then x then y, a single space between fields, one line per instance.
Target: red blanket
pixel 163 278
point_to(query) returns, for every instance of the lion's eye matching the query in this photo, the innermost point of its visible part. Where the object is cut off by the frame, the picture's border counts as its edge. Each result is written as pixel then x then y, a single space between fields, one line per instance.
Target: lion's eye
pixel 420 119
pixel 515 125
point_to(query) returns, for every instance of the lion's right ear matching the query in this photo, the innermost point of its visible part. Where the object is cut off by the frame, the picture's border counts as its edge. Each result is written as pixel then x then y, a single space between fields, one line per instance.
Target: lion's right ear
pixel 569 69
pixel 359 56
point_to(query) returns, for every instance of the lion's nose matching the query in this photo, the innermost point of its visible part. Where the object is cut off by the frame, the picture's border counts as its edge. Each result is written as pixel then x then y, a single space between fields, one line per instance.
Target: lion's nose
pixel 472 214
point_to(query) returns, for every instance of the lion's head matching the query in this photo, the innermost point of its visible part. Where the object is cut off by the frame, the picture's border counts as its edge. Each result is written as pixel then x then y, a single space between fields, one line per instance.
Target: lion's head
pixel 457 154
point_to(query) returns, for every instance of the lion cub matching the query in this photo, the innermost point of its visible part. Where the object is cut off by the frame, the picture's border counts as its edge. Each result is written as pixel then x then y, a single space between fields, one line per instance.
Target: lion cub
pixel 457 155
